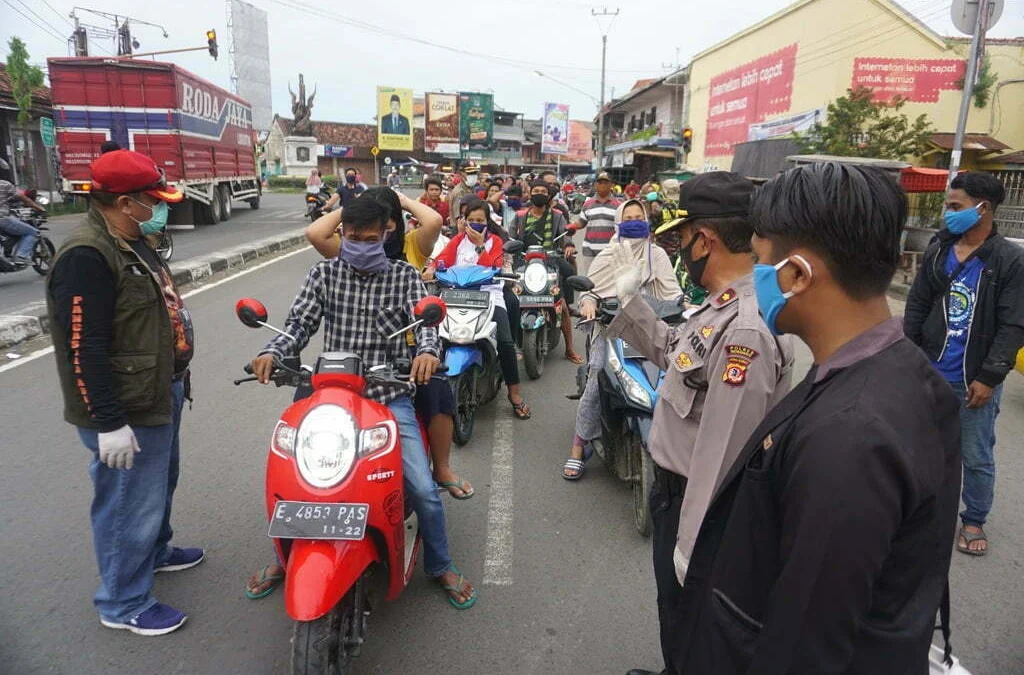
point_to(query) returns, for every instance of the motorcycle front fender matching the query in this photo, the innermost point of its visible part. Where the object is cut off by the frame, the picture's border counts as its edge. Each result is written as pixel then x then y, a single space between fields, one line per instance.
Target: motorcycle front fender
pixel 642 425
pixel 459 358
pixel 532 320
pixel 320 572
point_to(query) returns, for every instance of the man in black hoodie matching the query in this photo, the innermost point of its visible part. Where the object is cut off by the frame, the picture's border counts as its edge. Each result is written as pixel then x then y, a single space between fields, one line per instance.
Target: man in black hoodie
pixel 826 545
pixel 966 311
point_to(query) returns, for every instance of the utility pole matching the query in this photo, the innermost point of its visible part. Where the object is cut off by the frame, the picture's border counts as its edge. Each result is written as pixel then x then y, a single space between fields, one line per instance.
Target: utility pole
pixel 604 53
pixel 977 49
pixel 79 38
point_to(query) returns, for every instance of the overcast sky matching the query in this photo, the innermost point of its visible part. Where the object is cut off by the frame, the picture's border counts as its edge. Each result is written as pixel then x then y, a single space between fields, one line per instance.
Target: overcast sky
pixel 340 47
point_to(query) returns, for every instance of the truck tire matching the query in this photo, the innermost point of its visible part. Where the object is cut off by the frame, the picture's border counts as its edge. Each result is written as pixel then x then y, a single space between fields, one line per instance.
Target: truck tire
pixel 254 203
pixel 216 209
pixel 224 194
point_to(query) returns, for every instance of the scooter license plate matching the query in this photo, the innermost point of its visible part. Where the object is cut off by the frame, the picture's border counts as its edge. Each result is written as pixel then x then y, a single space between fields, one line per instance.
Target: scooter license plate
pixel 317 520
pixel 529 300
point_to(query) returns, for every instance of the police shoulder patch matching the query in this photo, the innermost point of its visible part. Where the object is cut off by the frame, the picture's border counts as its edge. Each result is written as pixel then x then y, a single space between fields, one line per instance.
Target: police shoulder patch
pixel 726 296
pixel 738 360
pixel 683 360
pixel 707 331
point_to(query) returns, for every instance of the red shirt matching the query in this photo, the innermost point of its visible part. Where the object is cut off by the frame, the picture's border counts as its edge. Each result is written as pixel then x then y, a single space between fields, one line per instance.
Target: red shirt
pixel 441 206
pixel 632 191
pixel 493 258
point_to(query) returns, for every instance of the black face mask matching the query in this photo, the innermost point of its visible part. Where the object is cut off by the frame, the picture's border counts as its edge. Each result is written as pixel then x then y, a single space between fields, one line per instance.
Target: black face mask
pixel 350 179
pixel 694 268
pixel 539 200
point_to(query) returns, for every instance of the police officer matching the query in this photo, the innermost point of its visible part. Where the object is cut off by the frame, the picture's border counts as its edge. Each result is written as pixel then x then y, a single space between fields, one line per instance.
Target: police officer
pixel 724 371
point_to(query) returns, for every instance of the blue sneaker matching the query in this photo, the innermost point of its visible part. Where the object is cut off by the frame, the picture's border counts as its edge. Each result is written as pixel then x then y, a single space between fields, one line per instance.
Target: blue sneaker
pixel 157 620
pixel 181 559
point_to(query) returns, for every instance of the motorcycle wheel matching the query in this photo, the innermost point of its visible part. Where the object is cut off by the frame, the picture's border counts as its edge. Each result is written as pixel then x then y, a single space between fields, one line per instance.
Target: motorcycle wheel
pixel 641 478
pixel 463 390
pixel 534 351
pixel 165 245
pixel 492 380
pixel 42 256
pixel 554 333
pixel 322 646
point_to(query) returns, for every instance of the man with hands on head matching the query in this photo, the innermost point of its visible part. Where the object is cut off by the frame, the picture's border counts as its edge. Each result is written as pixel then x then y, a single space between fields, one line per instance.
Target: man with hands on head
pixel 362 297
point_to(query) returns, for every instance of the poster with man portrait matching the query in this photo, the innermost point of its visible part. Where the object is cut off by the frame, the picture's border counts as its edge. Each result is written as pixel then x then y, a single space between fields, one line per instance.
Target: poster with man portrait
pixel 394 118
pixel 555 140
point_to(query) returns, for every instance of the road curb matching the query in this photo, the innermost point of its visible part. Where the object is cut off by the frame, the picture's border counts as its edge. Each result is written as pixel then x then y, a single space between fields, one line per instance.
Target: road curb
pixel 31 321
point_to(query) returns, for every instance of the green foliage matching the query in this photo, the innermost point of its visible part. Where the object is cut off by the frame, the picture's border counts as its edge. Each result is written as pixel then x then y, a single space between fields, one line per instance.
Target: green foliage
pixel 24 78
pixel 643 134
pixel 983 84
pixel 287 182
pixel 860 127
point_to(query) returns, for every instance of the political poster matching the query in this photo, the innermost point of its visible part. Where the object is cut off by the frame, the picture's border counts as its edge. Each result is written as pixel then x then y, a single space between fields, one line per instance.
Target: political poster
pixel 555 139
pixel 394 119
pixel 442 124
pixel 917 80
pixel 581 140
pixel 476 121
pixel 747 95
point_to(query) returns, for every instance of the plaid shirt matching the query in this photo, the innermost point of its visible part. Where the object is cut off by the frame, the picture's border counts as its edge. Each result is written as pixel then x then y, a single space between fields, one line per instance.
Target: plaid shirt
pixel 359 312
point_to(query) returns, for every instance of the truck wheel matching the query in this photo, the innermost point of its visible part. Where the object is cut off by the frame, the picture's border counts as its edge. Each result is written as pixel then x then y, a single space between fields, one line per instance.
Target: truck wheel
pixel 254 203
pixel 224 194
pixel 216 209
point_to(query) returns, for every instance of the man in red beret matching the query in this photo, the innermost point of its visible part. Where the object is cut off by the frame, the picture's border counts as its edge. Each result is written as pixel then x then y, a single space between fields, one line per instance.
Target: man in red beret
pixel 123 341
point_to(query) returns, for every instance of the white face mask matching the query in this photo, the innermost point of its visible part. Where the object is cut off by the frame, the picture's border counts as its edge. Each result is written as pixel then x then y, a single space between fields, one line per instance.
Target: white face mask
pixel 471 180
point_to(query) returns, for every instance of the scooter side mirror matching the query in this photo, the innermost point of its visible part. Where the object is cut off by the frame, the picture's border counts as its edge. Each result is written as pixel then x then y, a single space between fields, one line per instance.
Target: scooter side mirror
pixel 251 312
pixel 514 246
pixel 580 283
pixel 431 310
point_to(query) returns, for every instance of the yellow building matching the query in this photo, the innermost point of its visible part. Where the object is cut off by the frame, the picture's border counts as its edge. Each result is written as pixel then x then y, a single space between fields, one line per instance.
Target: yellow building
pixel 779 75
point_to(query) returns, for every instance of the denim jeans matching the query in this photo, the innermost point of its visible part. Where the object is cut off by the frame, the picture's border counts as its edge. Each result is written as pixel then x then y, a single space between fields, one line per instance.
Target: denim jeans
pixel 29 235
pixel 978 443
pixel 131 515
pixel 420 489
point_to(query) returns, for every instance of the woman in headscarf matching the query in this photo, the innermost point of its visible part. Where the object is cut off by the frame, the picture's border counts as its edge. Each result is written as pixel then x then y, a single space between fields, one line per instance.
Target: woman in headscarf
pixel 630 248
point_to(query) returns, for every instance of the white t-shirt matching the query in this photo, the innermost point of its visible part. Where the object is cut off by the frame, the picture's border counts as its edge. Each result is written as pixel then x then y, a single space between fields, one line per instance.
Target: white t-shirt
pixel 466 255
pixel 442 242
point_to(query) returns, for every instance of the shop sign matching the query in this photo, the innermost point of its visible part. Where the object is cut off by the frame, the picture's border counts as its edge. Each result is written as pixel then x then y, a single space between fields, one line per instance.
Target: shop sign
pixel 917 80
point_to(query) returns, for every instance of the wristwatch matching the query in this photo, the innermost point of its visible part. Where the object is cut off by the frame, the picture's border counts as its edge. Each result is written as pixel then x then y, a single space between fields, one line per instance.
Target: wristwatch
pixel 480 249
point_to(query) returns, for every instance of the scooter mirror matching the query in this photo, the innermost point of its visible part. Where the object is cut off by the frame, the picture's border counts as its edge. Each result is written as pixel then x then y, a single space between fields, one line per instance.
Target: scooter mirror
pixel 579 283
pixel 251 312
pixel 513 246
pixel 431 310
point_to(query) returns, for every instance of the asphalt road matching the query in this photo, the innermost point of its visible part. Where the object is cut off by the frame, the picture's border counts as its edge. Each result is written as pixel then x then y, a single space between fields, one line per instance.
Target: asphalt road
pixel 277 212
pixel 580 593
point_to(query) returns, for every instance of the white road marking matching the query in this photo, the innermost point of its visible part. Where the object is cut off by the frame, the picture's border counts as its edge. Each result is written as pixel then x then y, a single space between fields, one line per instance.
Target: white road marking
pixel 38 354
pixel 500 536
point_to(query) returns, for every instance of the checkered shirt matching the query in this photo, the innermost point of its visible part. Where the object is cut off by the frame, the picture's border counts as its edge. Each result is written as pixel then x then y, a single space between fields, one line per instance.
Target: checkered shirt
pixel 359 312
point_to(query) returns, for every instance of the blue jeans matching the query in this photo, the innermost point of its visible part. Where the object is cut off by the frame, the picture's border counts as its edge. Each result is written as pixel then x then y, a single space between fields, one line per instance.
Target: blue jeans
pixel 420 489
pixel 978 443
pixel 29 235
pixel 131 515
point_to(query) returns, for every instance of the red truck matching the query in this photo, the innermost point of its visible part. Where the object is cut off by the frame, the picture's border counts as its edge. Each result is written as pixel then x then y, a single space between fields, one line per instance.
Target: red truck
pixel 199 134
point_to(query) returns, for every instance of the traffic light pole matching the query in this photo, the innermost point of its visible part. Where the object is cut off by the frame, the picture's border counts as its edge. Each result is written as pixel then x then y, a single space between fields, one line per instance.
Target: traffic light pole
pixel 165 51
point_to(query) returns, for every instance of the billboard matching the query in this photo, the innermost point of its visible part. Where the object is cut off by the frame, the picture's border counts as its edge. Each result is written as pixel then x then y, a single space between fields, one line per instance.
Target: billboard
pixel 394 118
pixel 747 95
pixel 917 80
pixel 476 121
pixel 784 126
pixel 250 60
pixel 555 137
pixel 581 142
pixel 442 124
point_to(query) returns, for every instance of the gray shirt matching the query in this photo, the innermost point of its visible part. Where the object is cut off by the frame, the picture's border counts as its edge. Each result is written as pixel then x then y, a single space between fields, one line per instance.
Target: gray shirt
pixel 7 193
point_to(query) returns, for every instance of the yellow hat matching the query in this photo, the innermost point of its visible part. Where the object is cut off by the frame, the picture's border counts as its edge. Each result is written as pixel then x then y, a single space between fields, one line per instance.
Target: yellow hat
pixel 675 222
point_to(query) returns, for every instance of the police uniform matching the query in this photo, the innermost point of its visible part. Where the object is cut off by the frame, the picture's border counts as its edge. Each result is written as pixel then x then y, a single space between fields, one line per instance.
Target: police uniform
pixel 724 371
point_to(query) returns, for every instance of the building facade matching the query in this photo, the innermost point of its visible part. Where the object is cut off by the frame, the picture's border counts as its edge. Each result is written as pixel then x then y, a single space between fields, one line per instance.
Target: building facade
pixel 21 146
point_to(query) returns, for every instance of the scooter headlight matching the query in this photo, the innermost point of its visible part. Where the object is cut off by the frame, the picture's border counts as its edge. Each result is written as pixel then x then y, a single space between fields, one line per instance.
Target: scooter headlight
pixel 326 445
pixel 535 278
pixel 634 391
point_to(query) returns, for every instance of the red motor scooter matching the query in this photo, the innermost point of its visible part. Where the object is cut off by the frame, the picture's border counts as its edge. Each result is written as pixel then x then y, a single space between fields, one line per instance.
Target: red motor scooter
pixel 334 498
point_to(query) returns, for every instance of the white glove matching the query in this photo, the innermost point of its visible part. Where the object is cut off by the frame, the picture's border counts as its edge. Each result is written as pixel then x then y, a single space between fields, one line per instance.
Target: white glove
pixel 118 448
pixel 627 286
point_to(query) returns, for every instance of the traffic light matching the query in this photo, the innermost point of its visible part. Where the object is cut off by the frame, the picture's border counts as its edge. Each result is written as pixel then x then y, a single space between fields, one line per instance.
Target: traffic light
pixel 687 139
pixel 211 41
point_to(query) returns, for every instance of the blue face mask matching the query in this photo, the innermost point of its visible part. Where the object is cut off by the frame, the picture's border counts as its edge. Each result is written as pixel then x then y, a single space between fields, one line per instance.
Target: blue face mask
pixel 770 298
pixel 959 222
pixel 158 218
pixel 634 229
pixel 479 227
pixel 514 203
pixel 365 256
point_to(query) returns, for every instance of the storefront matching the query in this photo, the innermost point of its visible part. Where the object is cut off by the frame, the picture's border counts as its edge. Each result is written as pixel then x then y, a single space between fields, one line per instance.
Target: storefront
pixel 778 77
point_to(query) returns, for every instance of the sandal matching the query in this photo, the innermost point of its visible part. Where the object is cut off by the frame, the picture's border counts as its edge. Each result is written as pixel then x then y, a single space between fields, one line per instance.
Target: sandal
pixel 970 537
pixel 457 589
pixel 520 410
pixel 275 580
pixel 577 465
pixel 574 358
pixel 460 485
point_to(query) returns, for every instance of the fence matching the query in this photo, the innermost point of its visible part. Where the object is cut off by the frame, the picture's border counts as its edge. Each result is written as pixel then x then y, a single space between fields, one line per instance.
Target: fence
pixel 1010 216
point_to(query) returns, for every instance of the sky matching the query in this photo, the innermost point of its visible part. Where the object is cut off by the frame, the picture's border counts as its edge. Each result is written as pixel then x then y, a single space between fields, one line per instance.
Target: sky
pixel 347 51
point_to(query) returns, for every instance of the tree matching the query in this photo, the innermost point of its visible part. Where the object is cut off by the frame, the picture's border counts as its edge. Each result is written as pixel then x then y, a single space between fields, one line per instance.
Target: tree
pixel 859 126
pixel 25 78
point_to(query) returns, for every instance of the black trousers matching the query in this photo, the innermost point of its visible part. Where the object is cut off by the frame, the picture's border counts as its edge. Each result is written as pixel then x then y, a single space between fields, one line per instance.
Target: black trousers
pixel 666 502
pixel 506 347
pixel 565 270
pixel 512 306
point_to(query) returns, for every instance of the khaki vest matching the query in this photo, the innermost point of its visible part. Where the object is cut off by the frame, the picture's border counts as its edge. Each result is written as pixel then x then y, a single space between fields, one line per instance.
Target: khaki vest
pixel 141 349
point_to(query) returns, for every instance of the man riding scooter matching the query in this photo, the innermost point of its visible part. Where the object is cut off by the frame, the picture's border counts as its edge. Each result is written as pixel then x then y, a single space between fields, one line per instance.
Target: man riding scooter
pixel 11 225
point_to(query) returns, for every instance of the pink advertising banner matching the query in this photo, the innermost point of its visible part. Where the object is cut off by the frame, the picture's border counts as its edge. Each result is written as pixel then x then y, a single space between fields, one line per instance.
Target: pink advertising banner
pixel 917 80
pixel 746 95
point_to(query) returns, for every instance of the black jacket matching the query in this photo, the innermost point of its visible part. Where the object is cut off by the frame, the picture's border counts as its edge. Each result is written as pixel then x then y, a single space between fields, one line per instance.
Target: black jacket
pixel 826 549
pixel 997 329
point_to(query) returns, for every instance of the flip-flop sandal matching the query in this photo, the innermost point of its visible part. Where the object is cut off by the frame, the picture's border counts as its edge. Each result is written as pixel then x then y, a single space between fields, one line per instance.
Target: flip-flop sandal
pixel 457 589
pixel 574 358
pixel 459 485
pixel 520 410
pixel 972 537
pixel 573 464
pixel 275 580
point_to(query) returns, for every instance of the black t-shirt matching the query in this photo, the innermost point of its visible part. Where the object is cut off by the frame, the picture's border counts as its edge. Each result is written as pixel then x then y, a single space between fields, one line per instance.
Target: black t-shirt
pixel 349 192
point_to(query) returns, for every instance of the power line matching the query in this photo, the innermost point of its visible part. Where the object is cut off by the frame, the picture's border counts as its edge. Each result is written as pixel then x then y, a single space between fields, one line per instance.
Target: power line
pixel 33 22
pixel 66 19
pixel 38 16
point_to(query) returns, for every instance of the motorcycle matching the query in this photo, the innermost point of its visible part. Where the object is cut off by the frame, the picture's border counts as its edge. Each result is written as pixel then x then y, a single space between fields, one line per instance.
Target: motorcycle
pixel 44 250
pixel 337 513
pixel 315 202
pixel 628 385
pixel 469 338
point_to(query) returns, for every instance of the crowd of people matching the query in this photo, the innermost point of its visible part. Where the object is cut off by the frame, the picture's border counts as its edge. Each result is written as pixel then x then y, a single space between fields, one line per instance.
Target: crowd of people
pixel 796 529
